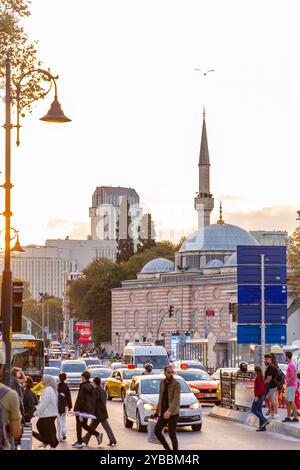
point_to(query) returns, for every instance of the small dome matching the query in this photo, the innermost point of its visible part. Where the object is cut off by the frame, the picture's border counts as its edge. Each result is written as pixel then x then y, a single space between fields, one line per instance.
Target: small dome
pixel 158 265
pixel 214 263
pixel 232 260
pixel 218 237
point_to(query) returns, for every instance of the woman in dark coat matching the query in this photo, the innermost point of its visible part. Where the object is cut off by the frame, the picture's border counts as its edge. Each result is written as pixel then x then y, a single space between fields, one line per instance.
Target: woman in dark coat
pixel 100 413
pixel 30 400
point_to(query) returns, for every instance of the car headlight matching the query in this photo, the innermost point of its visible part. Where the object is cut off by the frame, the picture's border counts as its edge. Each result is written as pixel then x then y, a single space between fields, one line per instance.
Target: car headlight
pixel 149 407
pixel 195 390
pixel 195 406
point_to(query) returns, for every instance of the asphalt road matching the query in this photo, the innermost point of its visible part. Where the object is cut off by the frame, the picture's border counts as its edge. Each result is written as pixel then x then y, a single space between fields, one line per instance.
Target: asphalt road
pixel 216 434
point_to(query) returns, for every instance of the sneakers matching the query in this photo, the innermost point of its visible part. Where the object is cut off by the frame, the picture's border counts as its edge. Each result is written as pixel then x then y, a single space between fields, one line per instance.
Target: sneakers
pixel 286 420
pixel 42 446
pixel 260 429
pixel 78 445
pixel 99 438
pixel 112 444
pixel 295 420
pixel 263 426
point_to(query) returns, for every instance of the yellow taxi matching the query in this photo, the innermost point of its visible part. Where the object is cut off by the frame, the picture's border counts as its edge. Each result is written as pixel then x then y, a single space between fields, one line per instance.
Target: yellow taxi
pixel 119 381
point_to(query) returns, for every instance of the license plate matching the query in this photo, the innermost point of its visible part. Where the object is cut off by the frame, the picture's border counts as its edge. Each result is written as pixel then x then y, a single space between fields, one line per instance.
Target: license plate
pixel 211 395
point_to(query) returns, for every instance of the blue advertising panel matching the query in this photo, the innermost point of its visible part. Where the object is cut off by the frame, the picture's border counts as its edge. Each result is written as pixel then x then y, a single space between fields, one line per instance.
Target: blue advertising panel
pixel 252 254
pixel 249 295
pixel 274 314
pixel 251 334
pixel 252 274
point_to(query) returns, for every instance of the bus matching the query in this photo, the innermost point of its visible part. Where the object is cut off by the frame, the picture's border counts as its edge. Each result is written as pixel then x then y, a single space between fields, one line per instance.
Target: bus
pixel 27 352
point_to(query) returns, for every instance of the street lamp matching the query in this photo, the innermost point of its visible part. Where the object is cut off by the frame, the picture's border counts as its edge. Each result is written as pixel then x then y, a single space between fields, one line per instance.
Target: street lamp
pixel 55 114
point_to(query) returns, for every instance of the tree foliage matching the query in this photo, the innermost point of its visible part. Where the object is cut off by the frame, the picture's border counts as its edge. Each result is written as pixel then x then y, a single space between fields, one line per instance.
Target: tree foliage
pixel 23 52
pixel 33 310
pixel 294 266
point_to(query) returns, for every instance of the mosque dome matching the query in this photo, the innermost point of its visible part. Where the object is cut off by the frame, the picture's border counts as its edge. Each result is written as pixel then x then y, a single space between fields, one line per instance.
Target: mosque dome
pixel 158 265
pixel 214 263
pixel 218 237
pixel 232 260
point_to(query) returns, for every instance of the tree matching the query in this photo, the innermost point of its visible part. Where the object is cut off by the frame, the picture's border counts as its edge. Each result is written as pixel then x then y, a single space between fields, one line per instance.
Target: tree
pixel 146 232
pixel 124 235
pixel 294 266
pixel 23 53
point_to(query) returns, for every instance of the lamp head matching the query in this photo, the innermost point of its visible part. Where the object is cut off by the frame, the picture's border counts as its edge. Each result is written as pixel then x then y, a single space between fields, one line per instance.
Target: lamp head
pixel 55 113
pixel 17 247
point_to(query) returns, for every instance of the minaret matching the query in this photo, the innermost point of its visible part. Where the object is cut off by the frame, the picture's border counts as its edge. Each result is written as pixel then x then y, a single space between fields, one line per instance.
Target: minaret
pixel 204 202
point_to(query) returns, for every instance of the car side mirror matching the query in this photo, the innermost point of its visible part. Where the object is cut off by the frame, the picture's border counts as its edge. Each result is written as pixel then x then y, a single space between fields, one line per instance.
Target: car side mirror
pixel 132 393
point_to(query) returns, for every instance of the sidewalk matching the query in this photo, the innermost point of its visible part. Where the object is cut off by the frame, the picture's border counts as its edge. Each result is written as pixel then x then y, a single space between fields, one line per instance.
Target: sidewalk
pixel 247 418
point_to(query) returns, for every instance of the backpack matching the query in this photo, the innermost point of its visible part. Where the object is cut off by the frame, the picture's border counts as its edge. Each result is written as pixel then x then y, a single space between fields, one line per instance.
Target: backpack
pixel 279 378
pixel 3 434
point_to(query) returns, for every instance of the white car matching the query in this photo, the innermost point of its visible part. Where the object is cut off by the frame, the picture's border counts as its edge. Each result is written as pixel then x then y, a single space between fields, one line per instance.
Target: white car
pixel 142 399
pixel 98 366
pixel 54 371
pixel 73 369
pixel 102 373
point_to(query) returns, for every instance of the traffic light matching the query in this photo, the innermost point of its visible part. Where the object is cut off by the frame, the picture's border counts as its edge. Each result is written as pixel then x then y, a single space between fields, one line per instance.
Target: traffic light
pixel 171 311
pixel 233 310
pixel 17 305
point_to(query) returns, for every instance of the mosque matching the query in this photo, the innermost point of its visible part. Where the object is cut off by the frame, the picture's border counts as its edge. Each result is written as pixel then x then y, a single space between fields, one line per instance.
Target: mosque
pixel 201 286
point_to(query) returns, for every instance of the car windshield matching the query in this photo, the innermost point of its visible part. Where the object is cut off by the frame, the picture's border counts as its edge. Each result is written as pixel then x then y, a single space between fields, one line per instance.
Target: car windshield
pixel 54 363
pixel 89 362
pixel 196 365
pixel 158 362
pixel 191 376
pixel 128 374
pixel 73 367
pixel 151 387
pixel 52 371
pixel 102 373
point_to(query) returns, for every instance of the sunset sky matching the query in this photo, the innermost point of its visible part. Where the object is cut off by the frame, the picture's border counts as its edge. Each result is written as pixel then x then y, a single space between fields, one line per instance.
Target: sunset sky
pixel 128 83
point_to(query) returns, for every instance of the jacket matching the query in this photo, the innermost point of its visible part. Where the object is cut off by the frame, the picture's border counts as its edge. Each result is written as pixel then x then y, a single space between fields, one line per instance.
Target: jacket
pixel 259 387
pixel 173 396
pixel 30 401
pixel 64 397
pixel 85 401
pixel 47 407
pixel 100 404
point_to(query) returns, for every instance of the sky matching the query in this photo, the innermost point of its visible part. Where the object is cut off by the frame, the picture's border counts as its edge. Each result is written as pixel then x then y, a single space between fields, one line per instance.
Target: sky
pixel 128 82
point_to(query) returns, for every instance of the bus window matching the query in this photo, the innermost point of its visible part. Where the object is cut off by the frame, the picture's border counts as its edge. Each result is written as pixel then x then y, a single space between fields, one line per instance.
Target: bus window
pixel 29 356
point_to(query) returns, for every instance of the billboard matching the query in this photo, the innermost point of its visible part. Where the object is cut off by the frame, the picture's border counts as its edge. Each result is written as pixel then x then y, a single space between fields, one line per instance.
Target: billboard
pixel 83 331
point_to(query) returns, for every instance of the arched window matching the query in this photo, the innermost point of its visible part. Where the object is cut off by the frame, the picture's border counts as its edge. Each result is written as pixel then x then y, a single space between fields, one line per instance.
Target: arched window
pixel 222 317
pixel 136 319
pixel 202 261
pixel 126 319
pixel 195 318
pixel 169 298
pixel 178 319
pixel 149 319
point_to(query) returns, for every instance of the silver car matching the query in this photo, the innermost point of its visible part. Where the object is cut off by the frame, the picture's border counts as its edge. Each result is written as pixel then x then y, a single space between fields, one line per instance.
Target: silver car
pixel 142 399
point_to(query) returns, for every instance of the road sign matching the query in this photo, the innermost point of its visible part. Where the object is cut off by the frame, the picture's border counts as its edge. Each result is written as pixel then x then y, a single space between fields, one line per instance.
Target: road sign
pixel 251 314
pixel 249 255
pixel 251 334
pixel 210 313
pixel 252 274
pixel 251 295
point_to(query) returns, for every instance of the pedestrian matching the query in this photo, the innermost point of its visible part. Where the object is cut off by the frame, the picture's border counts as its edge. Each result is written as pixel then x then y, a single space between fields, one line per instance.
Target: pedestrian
pixel 85 403
pixel 30 400
pixel 17 382
pixel 168 408
pixel 271 386
pixel 101 414
pixel 147 369
pixel 259 397
pixel 46 411
pixel 290 389
pixel 274 362
pixel 64 404
pixel 10 414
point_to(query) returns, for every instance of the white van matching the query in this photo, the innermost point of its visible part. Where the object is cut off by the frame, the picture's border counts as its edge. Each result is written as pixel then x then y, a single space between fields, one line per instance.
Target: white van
pixel 140 354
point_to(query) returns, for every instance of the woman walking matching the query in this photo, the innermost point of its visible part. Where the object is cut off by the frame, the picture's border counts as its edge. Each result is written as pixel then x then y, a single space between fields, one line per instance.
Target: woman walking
pixel 46 410
pixel 30 400
pixel 259 397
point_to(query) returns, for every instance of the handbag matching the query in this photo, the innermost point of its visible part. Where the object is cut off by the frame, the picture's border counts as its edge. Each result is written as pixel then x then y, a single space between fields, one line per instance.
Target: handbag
pixel 151 434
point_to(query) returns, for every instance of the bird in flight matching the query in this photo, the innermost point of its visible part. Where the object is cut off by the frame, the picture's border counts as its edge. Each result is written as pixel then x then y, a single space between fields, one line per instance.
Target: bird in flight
pixel 206 72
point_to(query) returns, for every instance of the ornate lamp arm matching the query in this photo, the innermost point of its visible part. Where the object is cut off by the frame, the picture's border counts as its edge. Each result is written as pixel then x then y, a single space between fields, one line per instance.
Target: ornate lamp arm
pixel 18 88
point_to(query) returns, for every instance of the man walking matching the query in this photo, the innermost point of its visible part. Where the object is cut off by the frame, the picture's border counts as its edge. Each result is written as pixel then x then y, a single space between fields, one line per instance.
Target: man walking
pixel 64 404
pixel 271 386
pixel 85 404
pixel 168 408
pixel 290 390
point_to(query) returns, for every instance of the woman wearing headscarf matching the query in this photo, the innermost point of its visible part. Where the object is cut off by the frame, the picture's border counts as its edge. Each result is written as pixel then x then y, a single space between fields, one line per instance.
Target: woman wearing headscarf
pixel 46 410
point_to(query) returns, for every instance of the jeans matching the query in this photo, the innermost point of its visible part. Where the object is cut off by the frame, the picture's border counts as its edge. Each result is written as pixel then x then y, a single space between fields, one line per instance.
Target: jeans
pixel 257 410
pixel 172 424
pixel 106 427
pixel 83 424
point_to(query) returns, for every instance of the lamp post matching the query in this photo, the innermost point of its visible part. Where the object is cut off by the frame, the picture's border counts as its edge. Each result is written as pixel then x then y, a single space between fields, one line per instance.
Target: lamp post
pixel 55 114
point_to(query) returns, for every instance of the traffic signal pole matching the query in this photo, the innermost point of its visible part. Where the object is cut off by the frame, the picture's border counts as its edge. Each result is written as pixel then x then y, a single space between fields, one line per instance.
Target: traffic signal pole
pixel 263 325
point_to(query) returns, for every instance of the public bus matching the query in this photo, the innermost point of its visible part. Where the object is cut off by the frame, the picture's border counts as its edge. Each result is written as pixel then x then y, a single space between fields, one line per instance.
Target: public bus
pixel 27 352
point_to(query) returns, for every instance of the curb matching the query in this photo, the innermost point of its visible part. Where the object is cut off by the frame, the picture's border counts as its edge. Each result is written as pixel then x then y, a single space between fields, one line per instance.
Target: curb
pixel 247 418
